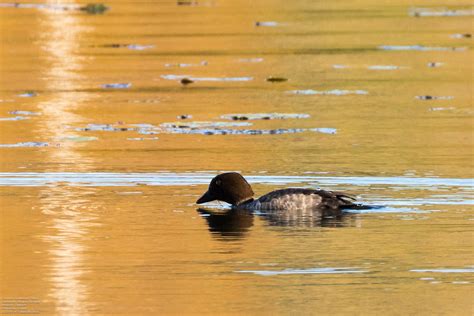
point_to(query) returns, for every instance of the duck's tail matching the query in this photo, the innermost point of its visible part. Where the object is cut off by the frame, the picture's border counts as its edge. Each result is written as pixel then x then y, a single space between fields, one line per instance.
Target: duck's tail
pixel 347 202
pixel 355 206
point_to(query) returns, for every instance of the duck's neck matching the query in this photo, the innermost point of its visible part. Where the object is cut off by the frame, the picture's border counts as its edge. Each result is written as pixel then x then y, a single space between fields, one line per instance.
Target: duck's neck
pixel 244 201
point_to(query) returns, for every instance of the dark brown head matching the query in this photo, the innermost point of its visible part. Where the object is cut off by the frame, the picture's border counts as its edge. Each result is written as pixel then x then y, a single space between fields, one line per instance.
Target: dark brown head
pixel 229 187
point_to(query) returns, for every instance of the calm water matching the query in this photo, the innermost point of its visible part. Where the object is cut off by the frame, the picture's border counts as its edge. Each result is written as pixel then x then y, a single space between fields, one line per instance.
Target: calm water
pixel 103 153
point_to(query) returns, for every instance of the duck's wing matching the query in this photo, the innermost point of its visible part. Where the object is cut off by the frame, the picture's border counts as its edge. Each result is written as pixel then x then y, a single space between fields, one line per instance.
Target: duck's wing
pixel 305 198
pixel 336 199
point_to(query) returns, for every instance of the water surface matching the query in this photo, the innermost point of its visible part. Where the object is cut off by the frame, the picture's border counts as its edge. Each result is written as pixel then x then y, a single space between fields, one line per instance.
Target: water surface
pixel 104 152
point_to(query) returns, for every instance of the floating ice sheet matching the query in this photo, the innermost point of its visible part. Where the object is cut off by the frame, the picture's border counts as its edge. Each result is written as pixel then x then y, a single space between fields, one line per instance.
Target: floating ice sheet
pixel 267 23
pixel 14 118
pixel 461 35
pixel 385 67
pixel 304 271
pixel 422 12
pixel 60 7
pixel 183 65
pixel 91 8
pixel 434 64
pixel 419 48
pixel 431 97
pixel 324 130
pixel 78 138
pixel 129 46
pixel 116 85
pixel 251 60
pixel 223 131
pixel 264 116
pixel 142 138
pixel 329 92
pixel 139 47
pixel 203 124
pixel 447 270
pixel 25 144
pixel 223 79
pixel 26 113
pixel 28 94
pixel 104 128
pixel 442 109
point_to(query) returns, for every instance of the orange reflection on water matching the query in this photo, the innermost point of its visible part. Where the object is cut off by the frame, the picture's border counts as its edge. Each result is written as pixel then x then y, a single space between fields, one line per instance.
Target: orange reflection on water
pixel 70 217
pixel 61 33
pixel 68 213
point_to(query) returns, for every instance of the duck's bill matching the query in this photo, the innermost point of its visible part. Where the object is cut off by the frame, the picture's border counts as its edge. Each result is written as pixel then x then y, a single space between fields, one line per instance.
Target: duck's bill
pixel 207 197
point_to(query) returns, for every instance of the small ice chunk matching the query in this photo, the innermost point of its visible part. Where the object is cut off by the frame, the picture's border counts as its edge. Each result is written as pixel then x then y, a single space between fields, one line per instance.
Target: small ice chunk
pixel 117 85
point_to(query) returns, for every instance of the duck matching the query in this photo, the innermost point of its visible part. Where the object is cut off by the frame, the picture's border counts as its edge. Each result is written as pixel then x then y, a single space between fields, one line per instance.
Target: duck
pixel 231 187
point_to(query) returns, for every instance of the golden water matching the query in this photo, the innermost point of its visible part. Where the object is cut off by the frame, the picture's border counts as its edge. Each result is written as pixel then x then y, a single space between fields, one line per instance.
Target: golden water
pixel 93 241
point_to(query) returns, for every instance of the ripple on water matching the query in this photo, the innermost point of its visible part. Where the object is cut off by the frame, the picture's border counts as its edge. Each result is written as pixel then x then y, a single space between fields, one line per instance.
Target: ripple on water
pixel 377 209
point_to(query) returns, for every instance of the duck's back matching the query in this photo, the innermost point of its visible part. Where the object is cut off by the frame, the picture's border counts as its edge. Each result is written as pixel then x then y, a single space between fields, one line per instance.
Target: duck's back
pixel 294 199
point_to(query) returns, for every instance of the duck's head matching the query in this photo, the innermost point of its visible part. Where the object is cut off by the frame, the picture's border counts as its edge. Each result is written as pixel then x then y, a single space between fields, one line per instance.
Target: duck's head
pixel 229 187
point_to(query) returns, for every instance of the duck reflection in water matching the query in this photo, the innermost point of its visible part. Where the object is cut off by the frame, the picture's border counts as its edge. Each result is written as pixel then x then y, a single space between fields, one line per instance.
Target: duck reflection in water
pixel 231 224
pixel 236 223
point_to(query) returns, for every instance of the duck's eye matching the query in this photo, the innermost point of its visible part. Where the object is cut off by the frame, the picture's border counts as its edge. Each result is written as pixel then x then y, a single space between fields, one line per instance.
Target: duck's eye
pixel 218 182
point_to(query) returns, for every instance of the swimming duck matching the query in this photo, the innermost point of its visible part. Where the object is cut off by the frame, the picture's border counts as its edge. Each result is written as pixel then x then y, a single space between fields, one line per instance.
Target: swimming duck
pixel 231 187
